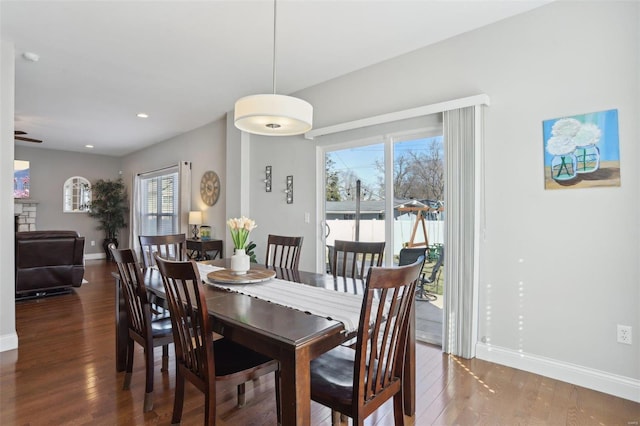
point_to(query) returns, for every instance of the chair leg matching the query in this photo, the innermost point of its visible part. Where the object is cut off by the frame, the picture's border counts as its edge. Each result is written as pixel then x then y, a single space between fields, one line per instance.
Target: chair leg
pixel 148 396
pixel 178 399
pixel 278 400
pixel 398 409
pixel 129 370
pixel 241 395
pixel 423 295
pixel 165 358
pixel 210 407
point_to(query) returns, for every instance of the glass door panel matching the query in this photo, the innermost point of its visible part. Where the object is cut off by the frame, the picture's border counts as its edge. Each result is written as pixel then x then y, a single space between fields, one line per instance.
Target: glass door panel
pixel 354 194
pixel 418 187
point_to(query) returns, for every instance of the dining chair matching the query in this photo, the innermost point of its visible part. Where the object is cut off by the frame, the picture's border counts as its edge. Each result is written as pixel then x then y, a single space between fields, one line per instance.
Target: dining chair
pixel 353 259
pixel 283 252
pixel 356 381
pixel 173 246
pixel 199 358
pixel 144 329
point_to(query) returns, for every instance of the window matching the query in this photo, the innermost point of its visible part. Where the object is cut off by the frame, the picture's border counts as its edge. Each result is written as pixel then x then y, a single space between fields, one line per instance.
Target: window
pixel 76 195
pixel 159 212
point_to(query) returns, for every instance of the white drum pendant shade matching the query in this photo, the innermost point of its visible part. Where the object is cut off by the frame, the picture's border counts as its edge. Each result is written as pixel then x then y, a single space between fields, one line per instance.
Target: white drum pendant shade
pixel 273 115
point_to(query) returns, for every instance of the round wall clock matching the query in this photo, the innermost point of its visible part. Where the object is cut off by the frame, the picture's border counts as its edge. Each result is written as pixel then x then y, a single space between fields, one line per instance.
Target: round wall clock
pixel 210 187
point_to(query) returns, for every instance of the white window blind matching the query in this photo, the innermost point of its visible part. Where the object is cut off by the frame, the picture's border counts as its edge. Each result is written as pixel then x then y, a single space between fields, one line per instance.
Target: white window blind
pixel 159 212
pixel 161 202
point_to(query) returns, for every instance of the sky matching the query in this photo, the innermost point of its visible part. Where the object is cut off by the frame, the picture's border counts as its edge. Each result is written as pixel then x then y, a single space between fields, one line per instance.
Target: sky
pixel 362 160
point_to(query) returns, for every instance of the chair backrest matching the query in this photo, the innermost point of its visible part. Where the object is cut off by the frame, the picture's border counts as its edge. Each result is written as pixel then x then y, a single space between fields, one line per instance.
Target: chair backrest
pixel 134 290
pixel 409 255
pixel 283 252
pixel 172 246
pixel 192 335
pixel 382 334
pixel 354 258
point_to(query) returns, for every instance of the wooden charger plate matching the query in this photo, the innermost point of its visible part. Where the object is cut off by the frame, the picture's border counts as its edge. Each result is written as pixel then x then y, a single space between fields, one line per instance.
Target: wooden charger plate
pixel 225 276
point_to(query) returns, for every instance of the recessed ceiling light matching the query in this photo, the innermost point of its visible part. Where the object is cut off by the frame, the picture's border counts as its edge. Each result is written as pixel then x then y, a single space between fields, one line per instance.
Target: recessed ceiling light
pixel 88 146
pixel 142 115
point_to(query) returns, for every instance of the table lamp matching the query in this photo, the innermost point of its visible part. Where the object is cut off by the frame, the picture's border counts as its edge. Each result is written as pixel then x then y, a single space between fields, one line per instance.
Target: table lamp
pixel 195 219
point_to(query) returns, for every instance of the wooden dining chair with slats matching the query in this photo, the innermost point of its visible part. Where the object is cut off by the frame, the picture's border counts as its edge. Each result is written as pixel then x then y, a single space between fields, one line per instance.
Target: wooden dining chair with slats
pixel 144 329
pixel 173 246
pixel 357 381
pixel 199 359
pixel 353 259
pixel 283 252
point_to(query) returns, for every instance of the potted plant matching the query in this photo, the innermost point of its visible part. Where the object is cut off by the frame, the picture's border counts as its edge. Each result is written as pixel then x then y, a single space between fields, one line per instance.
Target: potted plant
pixel 109 205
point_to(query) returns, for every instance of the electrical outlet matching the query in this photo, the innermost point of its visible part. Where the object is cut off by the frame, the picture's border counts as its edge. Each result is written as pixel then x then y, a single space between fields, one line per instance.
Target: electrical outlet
pixel 624 334
pixel 93 243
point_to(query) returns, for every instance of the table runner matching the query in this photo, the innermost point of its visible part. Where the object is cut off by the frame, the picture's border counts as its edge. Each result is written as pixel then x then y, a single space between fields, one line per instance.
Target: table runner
pixel 323 302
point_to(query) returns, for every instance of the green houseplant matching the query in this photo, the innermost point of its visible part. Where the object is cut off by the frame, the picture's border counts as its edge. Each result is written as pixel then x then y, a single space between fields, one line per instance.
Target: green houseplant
pixel 109 205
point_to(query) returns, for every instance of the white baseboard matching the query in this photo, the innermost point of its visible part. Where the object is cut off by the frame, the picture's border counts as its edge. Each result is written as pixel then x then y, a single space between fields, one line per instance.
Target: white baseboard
pixel 620 386
pixel 95 256
pixel 8 341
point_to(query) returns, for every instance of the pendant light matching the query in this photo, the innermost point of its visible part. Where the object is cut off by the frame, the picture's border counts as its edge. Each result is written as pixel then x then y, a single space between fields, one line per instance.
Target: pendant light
pixel 272 114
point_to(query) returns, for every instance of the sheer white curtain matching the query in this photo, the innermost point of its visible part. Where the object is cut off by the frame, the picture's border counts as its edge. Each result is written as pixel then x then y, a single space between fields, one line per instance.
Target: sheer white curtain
pixel 183 200
pixel 462 144
pixel 185 197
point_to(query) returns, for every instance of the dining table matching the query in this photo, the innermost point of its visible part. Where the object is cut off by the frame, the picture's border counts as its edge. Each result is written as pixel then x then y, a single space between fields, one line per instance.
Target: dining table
pixel 293 336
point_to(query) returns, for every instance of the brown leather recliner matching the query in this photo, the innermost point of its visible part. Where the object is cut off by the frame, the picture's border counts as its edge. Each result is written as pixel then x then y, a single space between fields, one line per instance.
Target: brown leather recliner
pixel 48 260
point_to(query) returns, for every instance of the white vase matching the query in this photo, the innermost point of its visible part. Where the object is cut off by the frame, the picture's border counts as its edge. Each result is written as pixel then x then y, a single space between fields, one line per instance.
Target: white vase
pixel 240 262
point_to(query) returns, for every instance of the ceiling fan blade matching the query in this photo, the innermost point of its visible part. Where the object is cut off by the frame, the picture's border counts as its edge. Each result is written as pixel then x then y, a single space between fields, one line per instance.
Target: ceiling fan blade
pixel 22 138
pixel 19 132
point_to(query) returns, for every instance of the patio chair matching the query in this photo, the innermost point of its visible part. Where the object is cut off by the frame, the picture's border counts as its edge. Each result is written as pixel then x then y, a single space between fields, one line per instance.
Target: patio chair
pixel 422 293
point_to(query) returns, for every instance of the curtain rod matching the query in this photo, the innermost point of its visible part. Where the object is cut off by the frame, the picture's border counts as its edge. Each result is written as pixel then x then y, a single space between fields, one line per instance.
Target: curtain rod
pixel 481 99
pixel 164 168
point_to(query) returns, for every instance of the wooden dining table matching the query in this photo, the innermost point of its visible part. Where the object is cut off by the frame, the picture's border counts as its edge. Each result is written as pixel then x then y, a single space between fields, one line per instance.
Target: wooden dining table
pixel 291 336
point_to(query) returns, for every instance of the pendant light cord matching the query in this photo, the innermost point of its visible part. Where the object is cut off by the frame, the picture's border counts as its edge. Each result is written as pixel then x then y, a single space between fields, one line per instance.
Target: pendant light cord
pixel 274 46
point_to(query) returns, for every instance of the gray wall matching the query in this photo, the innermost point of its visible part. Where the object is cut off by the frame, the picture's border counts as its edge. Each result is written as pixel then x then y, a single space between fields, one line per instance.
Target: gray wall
pixel 49 170
pixel 205 148
pixel 559 269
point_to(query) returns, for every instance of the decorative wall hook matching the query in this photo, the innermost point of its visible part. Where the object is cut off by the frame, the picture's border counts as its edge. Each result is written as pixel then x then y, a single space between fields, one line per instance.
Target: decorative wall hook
pixel 267 179
pixel 289 190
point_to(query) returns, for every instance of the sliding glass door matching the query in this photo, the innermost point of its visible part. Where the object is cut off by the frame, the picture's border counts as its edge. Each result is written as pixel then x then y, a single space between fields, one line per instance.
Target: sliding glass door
pixel 391 188
pixel 368 200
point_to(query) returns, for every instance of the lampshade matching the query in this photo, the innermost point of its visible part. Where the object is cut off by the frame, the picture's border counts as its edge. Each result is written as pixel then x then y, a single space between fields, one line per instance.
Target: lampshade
pixel 271 114
pixel 195 218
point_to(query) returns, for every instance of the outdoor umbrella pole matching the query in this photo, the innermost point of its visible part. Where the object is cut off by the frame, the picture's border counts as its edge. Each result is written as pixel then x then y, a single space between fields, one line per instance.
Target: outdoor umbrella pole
pixel 358 210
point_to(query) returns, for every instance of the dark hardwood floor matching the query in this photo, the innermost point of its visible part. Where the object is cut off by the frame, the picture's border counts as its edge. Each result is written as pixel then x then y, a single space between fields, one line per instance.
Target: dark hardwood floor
pixel 63 373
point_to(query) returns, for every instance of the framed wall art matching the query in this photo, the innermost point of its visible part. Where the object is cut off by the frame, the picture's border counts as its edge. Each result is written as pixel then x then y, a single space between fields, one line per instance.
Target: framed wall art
pixel 582 151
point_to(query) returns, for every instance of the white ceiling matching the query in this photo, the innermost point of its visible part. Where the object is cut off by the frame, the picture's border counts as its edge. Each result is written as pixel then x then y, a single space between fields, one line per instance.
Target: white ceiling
pixel 185 63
